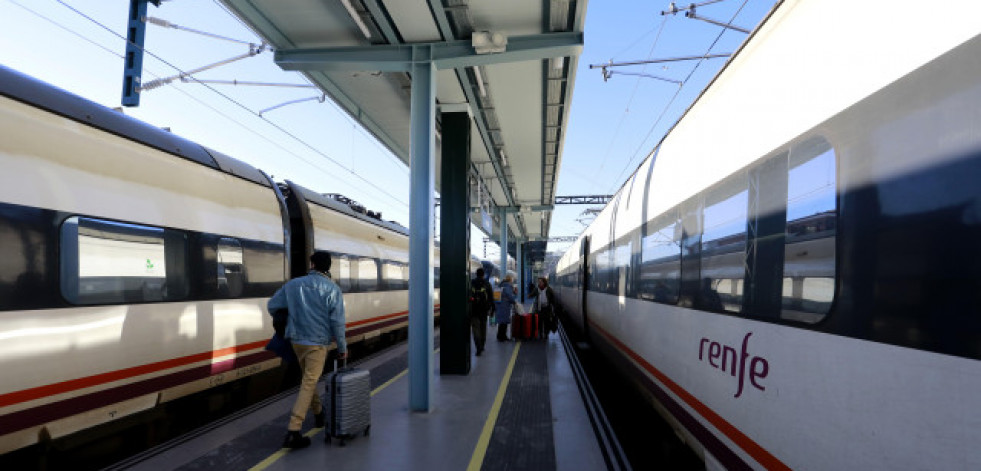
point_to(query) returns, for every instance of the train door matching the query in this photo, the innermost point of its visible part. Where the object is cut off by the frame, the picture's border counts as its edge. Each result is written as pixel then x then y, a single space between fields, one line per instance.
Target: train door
pixel 584 286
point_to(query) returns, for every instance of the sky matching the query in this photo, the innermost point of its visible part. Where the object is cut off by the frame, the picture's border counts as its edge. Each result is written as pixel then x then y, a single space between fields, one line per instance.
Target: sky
pixel 613 125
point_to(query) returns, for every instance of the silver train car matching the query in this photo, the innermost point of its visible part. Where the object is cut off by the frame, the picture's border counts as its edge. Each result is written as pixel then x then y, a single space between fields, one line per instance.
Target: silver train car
pixel 793 276
pixel 135 265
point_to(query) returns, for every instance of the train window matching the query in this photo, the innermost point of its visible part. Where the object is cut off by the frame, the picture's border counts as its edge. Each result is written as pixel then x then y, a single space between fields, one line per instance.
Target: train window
pixel 723 248
pixel 394 277
pixel 660 266
pixel 691 237
pixel 26 248
pixel 367 274
pixel 607 270
pixel 340 272
pixel 263 268
pixel 114 262
pixel 230 267
pixel 621 267
pixel 812 209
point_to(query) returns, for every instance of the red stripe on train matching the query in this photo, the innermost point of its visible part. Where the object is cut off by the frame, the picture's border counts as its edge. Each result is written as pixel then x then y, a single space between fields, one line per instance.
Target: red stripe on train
pixel 39 392
pixel 754 449
pixel 102 378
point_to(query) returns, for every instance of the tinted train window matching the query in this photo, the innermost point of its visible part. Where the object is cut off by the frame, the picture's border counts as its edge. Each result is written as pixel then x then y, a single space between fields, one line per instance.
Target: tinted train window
pixel 367 274
pixel 660 265
pixel 113 262
pixel 812 209
pixel 607 270
pixel 394 275
pixel 340 272
pixel 621 267
pixel 723 247
pixel 263 269
pixel 28 258
pixel 231 272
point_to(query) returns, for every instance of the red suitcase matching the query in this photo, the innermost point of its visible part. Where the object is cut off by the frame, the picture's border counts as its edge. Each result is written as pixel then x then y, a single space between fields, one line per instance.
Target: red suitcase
pixel 523 327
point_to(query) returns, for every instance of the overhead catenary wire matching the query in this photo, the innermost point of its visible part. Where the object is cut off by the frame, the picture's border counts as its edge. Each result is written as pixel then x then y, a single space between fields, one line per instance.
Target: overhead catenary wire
pixel 231 119
pixel 68 30
pixel 635 74
pixel 187 76
pixel 320 99
pixel 400 201
pixel 673 98
pixel 251 84
pixel 623 116
pixel 690 12
pixel 371 138
pixel 167 24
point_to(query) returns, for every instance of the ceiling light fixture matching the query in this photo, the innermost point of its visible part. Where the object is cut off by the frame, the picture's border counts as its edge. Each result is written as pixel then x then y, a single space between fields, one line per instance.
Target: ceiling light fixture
pixel 480 81
pixel 357 18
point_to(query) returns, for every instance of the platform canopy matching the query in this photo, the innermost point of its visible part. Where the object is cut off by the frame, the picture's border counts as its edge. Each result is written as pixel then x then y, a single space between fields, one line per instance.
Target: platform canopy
pixel 512 63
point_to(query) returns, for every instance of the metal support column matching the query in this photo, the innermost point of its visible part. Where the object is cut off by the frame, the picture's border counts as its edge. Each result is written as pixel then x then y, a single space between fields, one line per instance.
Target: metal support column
pixel 454 246
pixel 422 185
pixel 504 243
pixel 519 270
pixel 133 62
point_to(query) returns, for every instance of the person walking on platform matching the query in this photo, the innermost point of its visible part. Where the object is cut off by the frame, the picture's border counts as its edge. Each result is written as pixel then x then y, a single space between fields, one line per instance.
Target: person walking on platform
pixel 504 306
pixel 316 315
pixel 481 296
pixel 545 307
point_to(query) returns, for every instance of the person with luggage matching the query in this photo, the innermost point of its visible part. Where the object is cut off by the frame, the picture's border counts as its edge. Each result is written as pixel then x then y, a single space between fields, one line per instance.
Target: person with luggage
pixel 504 306
pixel 316 315
pixel 545 307
pixel 481 295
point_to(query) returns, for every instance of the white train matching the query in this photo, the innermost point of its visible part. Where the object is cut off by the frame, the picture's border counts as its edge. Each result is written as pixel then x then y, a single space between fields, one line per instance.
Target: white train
pixel 135 266
pixel 794 274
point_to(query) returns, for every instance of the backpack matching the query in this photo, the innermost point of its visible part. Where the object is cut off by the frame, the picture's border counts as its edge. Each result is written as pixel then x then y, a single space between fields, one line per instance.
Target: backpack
pixel 479 298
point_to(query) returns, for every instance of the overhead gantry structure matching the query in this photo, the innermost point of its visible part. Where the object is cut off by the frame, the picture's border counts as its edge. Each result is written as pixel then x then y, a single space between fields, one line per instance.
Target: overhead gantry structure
pixel 427 78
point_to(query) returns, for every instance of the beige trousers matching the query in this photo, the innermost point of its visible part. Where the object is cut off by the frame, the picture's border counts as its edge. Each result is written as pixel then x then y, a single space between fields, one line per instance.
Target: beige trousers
pixel 312 358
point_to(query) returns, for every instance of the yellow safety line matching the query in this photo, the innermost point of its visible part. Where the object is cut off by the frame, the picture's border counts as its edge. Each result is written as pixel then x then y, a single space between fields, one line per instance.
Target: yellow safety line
pixel 270 460
pixel 283 451
pixel 481 449
pixel 389 382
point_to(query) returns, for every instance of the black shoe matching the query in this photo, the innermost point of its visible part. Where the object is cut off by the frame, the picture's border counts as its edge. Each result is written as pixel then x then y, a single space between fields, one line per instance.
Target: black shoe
pixel 320 419
pixel 294 440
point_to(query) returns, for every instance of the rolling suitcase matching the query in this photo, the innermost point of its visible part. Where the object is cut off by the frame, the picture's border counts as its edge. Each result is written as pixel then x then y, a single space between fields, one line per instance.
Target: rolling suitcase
pixel 517 327
pixel 348 403
pixel 523 326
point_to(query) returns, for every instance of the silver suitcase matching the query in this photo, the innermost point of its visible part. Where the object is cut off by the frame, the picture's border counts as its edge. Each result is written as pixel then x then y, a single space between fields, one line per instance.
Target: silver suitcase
pixel 348 403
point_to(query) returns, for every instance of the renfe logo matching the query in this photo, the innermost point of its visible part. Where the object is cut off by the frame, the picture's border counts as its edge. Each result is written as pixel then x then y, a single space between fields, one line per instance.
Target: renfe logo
pixel 758 367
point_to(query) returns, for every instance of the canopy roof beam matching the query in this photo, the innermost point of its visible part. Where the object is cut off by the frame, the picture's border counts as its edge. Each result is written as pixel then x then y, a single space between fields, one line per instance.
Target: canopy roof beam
pixel 445 55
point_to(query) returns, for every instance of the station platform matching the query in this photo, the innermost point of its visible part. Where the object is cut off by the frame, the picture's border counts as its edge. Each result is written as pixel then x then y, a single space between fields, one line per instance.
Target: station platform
pixel 520 408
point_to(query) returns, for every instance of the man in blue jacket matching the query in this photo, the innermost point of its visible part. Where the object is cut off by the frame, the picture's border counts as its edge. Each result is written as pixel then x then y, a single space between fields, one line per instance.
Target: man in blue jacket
pixel 316 315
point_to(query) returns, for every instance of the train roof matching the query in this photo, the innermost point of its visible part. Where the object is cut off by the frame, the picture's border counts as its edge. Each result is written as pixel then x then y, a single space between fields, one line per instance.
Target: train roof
pixel 338 206
pixel 34 92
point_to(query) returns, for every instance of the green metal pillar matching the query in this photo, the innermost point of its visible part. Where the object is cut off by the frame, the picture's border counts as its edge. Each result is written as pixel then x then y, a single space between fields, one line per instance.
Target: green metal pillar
pixel 454 247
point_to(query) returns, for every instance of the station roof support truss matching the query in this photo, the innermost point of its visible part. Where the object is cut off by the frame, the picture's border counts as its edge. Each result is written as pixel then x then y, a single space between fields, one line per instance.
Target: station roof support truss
pixel 444 54
pixel 586 199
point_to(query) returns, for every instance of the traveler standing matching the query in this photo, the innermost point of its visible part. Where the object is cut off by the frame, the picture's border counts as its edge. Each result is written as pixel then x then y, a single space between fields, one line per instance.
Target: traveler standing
pixel 545 307
pixel 316 315
pixel 481 295
pixel 504 306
